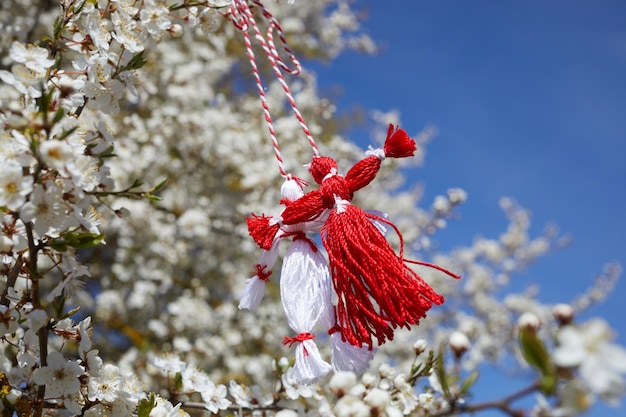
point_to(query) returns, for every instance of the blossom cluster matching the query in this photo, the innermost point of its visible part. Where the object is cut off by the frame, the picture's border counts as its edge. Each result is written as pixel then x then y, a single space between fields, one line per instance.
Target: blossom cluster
pixel 132 146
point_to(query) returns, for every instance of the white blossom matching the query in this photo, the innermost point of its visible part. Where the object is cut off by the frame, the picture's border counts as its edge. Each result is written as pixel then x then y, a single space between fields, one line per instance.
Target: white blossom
pixel 33 57
pixel 601 364
pixel 14 185
pixel 60 376
pixel 8 320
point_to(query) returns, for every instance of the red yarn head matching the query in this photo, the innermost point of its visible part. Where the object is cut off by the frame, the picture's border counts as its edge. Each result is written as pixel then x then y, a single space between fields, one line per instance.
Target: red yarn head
pixel 321 166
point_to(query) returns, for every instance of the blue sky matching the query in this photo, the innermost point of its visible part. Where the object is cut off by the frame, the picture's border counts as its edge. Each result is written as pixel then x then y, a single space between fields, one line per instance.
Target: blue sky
pixel 530 101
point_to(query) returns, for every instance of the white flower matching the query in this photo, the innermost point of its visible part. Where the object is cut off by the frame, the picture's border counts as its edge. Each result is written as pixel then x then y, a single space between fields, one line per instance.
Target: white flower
pixel 196 380
pixel 529 321
pixel 14 186
pixel 215 398
pixel 155 17
pixel 37 319
pixel 165 409
pixel 33 57
pixel 420 346
pixel 295 391
pixel 378 398
pixel 351 406
pixel 107 386
pixel 44 208
pixel 28 349
pixel 97 30
pixel 60 376
pixel 8 320
pixel 125 32
pixel 56 154
pixel 286 412
pixel 405 398
pixel 601 364
pixel 168 363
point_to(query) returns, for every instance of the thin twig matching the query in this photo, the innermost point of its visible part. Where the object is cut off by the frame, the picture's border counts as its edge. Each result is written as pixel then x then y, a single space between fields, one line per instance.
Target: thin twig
pixel 503 405
pixel 11 279
pixel 42 333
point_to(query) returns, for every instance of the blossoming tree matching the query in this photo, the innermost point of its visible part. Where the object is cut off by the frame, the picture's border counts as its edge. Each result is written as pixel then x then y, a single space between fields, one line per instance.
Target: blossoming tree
pixel 133 145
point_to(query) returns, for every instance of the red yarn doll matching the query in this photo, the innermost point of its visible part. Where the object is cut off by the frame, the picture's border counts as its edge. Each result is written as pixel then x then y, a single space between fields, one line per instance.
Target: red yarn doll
pixel 376 290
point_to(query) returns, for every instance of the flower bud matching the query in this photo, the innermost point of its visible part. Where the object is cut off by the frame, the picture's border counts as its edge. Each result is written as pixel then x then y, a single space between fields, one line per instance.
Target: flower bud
pixel 283 363
pixel 368 379
pixel 420 346
pixel 6 244
pixel 341 383
pixel 377 399
pixel 13 396
pixel 176 30
pixel 528 321
pixel 286 412
pixel 459 344
pixel 563 313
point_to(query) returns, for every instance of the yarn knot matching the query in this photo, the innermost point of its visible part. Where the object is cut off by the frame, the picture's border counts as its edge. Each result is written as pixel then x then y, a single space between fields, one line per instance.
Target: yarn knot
pixel 378 153
pixel 303 236
pixel 289 341
pixel 262 273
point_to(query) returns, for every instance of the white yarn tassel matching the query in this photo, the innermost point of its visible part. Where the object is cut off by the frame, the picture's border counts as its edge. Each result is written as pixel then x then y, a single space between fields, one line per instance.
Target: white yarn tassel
pixel 346 357
pixel 252 294
pixel 382 227
pixel 304 272
pixel 309 365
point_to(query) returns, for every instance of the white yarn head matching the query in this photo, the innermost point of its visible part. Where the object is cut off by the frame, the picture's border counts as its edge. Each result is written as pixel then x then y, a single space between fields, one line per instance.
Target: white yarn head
pixel 291 189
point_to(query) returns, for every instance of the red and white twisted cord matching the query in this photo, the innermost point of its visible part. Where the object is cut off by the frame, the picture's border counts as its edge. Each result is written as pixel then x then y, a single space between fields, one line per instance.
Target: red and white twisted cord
pixel 243 19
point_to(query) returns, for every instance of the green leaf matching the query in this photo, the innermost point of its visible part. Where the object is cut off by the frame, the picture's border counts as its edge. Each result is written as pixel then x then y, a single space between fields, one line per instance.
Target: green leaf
pixel 534 351
pixel 58 115
pixel 76 240
pixel 136 62
pixel 469 382
pixel 160 185
pixel 58 27
pixel 146 405
pixel 178 381
pixel 440 371
pixel 536 354
pixel 67 132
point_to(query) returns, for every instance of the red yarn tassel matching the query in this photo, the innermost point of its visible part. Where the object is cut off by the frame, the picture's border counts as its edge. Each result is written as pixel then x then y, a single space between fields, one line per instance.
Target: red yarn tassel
pixel 376 291
pixel 398 143
pixel 261 231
